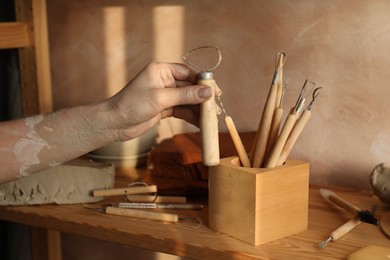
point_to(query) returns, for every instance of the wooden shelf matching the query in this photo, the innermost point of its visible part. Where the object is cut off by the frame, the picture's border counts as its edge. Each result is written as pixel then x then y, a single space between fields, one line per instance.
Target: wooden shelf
pixel 200 242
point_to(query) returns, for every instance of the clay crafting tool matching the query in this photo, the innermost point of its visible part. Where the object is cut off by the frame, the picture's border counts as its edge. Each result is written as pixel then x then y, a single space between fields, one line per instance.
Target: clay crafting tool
pixel 242 154
pixel 136 213
pixel 263 131
pixel 208 112
pixel 341 231
pixel 135 205
pixel 288 126
pixel 297 130
pixel 156 199
pixel 276 123
pixel 125 191
pixel 363 215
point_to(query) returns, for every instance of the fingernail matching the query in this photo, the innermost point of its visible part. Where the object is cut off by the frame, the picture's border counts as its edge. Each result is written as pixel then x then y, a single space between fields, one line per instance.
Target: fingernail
pixel 205 92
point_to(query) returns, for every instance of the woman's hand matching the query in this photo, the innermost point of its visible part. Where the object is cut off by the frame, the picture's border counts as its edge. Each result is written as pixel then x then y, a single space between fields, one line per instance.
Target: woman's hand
pixel 160 90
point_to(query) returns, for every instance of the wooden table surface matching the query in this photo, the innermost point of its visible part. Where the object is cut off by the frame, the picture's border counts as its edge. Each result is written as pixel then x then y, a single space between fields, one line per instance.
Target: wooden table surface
pixel 191 240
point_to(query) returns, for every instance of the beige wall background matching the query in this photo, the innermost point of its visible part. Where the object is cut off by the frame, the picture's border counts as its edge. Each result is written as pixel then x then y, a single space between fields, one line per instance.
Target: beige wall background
pixel 97 46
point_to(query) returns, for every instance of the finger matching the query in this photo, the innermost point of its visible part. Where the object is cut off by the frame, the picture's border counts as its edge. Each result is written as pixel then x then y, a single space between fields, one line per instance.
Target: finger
pixel 183 72
pixel 170 97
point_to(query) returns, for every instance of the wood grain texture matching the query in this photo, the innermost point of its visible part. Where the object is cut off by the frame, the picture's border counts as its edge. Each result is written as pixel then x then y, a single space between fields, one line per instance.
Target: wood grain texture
pixel 185 239
pixel 14 35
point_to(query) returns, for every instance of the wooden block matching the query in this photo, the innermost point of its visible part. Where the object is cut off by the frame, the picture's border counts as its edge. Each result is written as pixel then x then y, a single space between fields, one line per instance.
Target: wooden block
pixel 258 205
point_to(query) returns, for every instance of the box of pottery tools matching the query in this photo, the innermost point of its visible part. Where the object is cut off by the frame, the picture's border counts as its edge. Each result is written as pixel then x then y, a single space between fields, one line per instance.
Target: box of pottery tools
pixel 258 205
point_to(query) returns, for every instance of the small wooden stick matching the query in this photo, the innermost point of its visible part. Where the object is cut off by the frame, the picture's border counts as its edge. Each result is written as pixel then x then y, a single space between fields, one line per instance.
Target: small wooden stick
pixel 125 191
pixel 209 123
pixel 294 135
pixel 237 142
pixel 142 214
pixel 280 142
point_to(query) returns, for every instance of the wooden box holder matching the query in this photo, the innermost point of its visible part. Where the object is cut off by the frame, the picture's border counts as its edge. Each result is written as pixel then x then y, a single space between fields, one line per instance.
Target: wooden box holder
pixel 258 205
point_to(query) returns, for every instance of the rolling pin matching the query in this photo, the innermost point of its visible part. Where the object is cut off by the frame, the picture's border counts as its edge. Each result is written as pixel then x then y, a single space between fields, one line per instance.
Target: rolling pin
pixel 209 123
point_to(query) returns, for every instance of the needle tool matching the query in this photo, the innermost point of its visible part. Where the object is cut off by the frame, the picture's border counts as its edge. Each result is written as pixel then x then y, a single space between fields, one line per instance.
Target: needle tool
pixel 363 215
pixel 263 131
pixel 242 154
pixel 297 130
pixel 137 205
pixel 208 111
pixel 288 125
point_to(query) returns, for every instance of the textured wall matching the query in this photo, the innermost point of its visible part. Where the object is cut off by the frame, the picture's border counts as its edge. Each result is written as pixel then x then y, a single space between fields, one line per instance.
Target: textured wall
pixel 97 46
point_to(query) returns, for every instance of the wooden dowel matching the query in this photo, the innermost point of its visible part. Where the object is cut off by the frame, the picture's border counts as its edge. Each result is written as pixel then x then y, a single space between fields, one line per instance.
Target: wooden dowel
pixel 285 132
pixel 136 213
pixel 209 124
pixel 294 135
pixel 258 150
pixel 125 191
pixel 237 142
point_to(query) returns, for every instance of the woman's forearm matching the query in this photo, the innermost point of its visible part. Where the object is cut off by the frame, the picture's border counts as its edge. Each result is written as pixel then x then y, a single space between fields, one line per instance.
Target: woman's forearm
pixel 47 140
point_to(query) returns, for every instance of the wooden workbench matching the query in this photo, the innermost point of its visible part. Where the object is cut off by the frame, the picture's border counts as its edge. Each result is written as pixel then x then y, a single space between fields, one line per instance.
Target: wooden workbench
pixel 200 242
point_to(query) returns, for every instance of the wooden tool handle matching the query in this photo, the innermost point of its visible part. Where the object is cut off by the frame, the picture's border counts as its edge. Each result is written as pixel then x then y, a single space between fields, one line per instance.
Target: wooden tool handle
pixel 344 204
pixel 158 199
pixel 237 142
pixel 142 214
pixel 125 191
pixel 293 137
pixel 344 229
pixel 274 132
pixel 280 142
pixel 209 127
pixel 258 151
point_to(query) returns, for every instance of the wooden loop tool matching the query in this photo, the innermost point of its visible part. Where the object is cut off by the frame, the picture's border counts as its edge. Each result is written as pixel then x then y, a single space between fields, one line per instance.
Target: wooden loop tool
pixel 208 111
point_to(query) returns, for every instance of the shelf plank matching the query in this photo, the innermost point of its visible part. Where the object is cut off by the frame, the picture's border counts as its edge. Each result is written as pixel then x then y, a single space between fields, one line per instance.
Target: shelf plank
pixel 15 35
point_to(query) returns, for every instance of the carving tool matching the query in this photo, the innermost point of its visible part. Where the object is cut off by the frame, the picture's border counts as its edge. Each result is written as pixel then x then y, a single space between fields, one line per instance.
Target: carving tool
pixel 135 213
pixel 208 112
pixel 260 144
pixel 156 199
pixel 363 215
pixel 341 231
pixel 242 154
pixel 276 123
pixel 125 191
pixel 287 127
pixel 135 205
pixel 297 130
